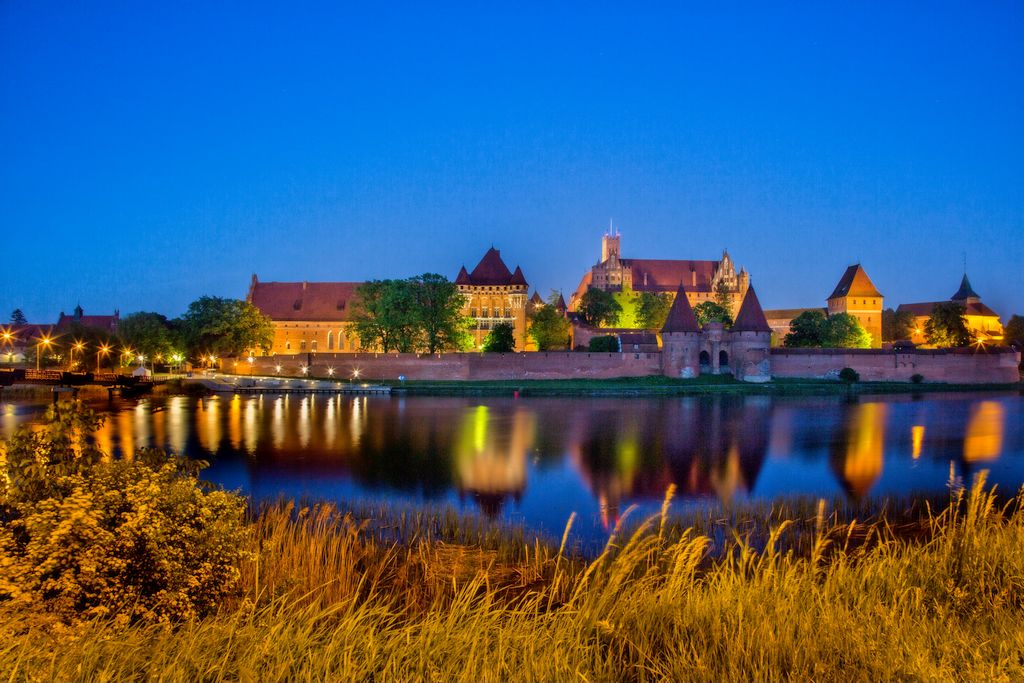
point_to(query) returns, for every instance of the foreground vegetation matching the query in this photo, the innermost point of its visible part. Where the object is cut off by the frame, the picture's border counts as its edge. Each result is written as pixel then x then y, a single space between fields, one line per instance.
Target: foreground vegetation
pixel 788 594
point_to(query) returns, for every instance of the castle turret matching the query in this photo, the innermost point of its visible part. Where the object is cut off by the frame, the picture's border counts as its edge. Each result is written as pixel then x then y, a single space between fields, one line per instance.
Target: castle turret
pixel 610 246
pixel 681 338
pixel 750 339
pixel 857 295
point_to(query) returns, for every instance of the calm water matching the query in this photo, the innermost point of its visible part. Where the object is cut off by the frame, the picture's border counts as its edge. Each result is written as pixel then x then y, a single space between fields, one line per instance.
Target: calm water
pixel 538 460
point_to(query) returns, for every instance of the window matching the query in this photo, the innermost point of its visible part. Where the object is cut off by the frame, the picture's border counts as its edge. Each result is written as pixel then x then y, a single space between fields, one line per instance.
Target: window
pixel 302 345
pixel 330 341
pixel 287 346
pixel 483 313
pixel 472 313
pixel 508 312
pixel 313 345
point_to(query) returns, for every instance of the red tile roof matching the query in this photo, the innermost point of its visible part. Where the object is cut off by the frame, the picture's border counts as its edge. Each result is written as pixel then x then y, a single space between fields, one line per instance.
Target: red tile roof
pixel 107 323
pixel 751 317
pixel 924 308
pixel 313 301
pixel 665 275
pixel 680 316
pixel 491 271
pixel 855 282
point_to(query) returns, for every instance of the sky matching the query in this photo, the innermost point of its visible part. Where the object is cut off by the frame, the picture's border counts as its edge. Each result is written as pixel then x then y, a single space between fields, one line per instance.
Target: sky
pixel 151 153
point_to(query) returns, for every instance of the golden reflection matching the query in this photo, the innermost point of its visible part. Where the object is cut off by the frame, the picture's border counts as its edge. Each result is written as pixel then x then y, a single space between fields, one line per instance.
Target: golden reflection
pixel 210 426
pixel 141 425
pixel 916 440
pixel 357 421
pixel 235 422
pixel 177 429
pixel 330 426
pixel 251 426
pixel 305 432
pixel 984 438
pixel 105 438
pixel 489 462
pixel 159 427
pixel 727 477
pixel 277 429
pixel 862 460
pixel 124 432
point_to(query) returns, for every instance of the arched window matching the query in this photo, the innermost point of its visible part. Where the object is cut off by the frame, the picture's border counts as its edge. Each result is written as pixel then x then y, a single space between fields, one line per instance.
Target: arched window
pixel 705 359
pixel 723 359
pixel 330 341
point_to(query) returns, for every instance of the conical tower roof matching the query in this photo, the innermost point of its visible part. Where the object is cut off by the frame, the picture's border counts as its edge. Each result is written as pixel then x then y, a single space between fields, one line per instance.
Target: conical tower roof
pixel 855 282
pixel 463 277
pixel 680 316
pixel 965 292
pixel 751 317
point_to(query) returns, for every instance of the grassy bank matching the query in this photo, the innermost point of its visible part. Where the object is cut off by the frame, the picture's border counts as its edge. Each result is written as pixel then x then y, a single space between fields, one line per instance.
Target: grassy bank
pixel 327 596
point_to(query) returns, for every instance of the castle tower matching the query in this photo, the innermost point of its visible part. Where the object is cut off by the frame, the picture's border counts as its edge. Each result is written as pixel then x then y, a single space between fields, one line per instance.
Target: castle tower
pixel 857 295
pixel 681 338
pixel 610 246
pixel 750 339
pixel 966 294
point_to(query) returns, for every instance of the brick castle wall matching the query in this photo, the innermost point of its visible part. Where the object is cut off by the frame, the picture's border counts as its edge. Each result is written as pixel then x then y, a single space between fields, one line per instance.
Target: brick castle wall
pixel 935 365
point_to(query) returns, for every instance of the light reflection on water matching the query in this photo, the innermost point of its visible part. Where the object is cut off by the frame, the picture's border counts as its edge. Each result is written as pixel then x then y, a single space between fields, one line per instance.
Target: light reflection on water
pixel 538 460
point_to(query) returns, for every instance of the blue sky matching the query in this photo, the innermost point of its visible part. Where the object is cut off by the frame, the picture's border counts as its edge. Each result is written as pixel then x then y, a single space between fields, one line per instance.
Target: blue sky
pixel 154 152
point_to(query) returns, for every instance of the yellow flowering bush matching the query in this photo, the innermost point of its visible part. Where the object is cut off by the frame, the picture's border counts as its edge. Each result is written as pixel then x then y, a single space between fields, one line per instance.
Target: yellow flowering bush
pixel 86 535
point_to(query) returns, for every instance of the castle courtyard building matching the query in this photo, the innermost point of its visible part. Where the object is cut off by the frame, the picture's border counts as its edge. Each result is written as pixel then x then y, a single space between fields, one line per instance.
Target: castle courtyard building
pixel 857 295
pixel 493 295
pixel 308 317
pixel 982 322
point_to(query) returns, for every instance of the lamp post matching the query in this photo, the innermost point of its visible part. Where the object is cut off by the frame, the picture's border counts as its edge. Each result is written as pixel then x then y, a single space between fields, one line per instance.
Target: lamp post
pixel 43 341
pixel 77 346
pixel 102 351
pixel 8 338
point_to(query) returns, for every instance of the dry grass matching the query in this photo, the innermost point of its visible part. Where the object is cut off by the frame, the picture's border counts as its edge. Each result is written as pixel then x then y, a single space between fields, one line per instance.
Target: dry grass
pixel 326 599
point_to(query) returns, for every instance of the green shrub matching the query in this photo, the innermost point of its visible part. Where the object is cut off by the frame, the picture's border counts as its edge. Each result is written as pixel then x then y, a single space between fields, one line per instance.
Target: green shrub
pixel 917 378
pixel 849 375
pixel 86 535
pixel 605 344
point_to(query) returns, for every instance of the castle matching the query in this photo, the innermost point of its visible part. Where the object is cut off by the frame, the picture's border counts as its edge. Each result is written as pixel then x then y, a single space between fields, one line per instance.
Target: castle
pixel 703 280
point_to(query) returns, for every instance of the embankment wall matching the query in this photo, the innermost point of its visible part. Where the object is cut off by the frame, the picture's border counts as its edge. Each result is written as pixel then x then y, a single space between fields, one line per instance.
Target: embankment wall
pixel 959 366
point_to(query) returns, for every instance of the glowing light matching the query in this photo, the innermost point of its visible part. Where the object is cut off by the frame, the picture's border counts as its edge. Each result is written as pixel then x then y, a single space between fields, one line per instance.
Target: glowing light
pixel 984 437
pixel 330 371
pixel 277 369
pixel 251 360
pixel 916 440
pixel 355 373
pixel 305 369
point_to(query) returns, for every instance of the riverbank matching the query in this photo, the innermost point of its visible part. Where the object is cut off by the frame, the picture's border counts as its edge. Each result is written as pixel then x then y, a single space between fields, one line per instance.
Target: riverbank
pixel 809 597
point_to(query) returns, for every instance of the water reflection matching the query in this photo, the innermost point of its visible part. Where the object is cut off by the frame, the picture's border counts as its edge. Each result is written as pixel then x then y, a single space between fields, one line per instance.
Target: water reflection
pixel 541 459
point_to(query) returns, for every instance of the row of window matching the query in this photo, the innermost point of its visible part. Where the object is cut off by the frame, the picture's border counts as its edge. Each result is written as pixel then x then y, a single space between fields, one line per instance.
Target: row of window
pixel 313 346
pixel 489 324
pixel 486 313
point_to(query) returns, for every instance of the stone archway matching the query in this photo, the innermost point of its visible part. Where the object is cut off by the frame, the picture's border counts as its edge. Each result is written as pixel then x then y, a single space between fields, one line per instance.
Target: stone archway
pixel 723 361
pixel 705 362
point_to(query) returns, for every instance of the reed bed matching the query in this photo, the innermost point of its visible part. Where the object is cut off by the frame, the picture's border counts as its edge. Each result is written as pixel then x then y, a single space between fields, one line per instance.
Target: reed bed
pixel 325 597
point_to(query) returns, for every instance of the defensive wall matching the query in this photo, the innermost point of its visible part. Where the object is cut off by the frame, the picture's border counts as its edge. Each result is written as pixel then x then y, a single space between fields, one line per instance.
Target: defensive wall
pixel 955 366
pixel 962 366
pixel 465 366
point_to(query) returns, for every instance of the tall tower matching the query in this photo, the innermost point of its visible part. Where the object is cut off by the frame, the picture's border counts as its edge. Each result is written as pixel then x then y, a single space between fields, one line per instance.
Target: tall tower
pixel 857 295
pixel 610 246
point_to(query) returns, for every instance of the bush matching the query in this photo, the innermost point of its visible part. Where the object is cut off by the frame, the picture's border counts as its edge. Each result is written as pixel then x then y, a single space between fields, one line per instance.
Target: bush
pixel 849 375
pixel 917 378
pixel 606 344
pixel 86 535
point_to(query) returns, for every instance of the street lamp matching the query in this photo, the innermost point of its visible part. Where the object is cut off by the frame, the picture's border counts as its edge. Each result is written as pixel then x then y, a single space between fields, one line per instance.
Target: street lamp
pixel 43 341
pixel 126 353
pixel 77 346
pixel 104 350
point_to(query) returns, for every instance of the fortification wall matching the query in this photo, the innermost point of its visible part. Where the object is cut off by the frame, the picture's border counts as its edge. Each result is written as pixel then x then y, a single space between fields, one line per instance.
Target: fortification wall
pixel 467 366
pixel 935 365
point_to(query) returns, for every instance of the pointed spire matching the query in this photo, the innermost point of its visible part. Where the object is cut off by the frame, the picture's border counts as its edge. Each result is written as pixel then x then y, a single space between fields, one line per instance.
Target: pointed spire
pixel 751 317
pixel 966 292
pixel 463 277
pixel 517 277
pixel 680 316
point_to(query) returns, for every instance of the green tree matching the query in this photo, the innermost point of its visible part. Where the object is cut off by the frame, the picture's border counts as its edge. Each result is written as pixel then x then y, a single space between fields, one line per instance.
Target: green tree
pixel 712 312
pixel 501 339
pixel 92 339
pixel 652 310
pixel 843 331
pixel 806 330
pixel 723 296
pixel 897 325
pixel 227 327
pixel 1013 333
pixel 947 326
pixel 385 316
pixel 18 318
pixel 549 328
pixel 606 344
pixel 148 333
pixel 599 308
pixel 438 311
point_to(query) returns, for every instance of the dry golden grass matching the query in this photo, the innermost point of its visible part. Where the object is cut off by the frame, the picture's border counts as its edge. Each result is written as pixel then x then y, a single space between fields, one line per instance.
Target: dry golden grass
pixel 325 599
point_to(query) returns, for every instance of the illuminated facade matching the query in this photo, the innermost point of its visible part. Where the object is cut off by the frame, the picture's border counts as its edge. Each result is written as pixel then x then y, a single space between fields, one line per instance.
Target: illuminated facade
pixel 700 279
pixel 982 321
pixel 308 317
pixel 494 295
pixel 857 295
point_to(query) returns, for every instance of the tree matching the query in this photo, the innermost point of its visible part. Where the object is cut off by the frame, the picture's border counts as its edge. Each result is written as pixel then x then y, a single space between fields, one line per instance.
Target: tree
pixel 148 333
pixel 501 339
pixel 947 326
pixel 225 326
pixel 18 318
pixel 723 295
pixel 549 329
pixel 897 325
pixel 806 330
pixel 606 344
pixel 1013 333
pixel 438 312
pixel 712 312
pixel 599 308
pixel 843 331
pixel 652 310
